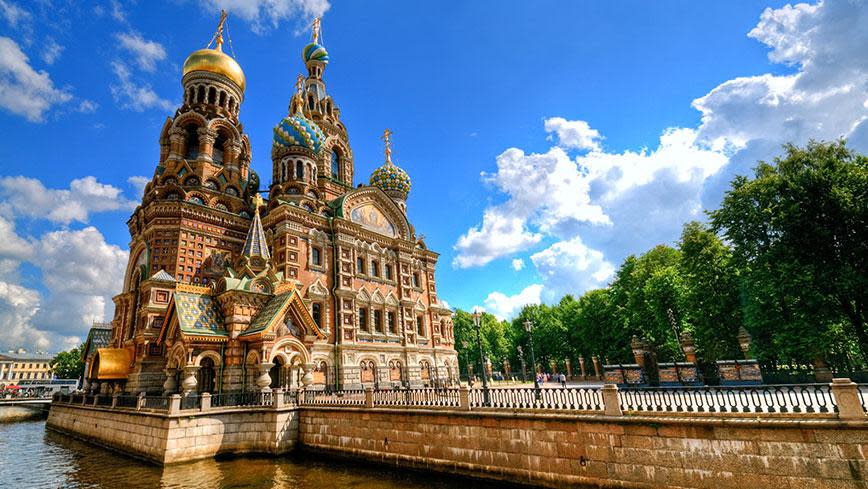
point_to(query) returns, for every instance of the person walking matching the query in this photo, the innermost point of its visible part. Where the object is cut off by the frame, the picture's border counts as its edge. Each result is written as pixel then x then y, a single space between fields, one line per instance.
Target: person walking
pixel 563 380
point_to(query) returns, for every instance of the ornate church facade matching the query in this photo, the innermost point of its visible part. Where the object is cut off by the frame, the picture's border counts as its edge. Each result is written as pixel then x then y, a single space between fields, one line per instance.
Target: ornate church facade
pixel 325 284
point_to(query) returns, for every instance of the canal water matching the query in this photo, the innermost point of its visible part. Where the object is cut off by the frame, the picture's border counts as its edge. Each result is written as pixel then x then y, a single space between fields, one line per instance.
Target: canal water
pixel 33 457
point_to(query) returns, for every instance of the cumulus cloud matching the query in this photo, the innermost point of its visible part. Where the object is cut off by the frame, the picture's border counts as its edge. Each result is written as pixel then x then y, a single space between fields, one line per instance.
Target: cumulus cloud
pixel 518 264
pixel 570 267
pixel 133 95
pixel 28 197
pixel 51 51
pixel 139 182
pixel 13 14
pixel 23 90
pixel 266 14
pixel 504 306
pixel 146 53
pixel 574 134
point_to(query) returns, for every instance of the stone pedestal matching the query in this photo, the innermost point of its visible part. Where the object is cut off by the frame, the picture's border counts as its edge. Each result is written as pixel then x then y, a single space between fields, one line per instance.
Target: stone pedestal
pixel 189 383
pixel 846 396
pixel 307 379
pixel 170 385
pixel 263 382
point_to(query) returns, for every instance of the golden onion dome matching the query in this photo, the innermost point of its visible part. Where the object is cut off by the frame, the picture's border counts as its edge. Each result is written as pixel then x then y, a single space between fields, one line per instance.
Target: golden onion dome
pixel 215 61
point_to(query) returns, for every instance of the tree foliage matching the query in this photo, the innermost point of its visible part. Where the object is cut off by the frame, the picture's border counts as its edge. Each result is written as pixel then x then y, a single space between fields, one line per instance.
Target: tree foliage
pixel 68 364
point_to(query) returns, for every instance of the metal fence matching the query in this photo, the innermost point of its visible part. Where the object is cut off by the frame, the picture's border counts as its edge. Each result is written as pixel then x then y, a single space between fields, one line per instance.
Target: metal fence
pixel 238 398
pixel 191 401
pixel 417 397
pixel 156 402
pixel 349 397
pixel 573 399
pixel 128 401
pixel 802 398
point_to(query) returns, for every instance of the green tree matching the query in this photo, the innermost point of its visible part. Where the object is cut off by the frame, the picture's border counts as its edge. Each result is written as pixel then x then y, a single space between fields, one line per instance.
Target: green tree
pixel 712 303
pixel 68 364
pixel 799 232
pixel 594 329
pixel 493 335
pixel 550 339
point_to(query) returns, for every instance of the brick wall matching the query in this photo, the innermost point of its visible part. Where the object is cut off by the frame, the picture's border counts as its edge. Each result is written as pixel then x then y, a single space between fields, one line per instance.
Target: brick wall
pixel 558 451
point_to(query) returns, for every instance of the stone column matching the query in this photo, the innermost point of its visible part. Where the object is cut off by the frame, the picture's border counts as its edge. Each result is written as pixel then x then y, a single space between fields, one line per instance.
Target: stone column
pixel 596 366
pixel 264 379
pixel 170 385
pixel 369 397
pixel 176 143
pixel 206 143
pixel 307 379
pixel 846 394
pixel 205 405
pixel 464 398
pixel 582 367
pixel 190 381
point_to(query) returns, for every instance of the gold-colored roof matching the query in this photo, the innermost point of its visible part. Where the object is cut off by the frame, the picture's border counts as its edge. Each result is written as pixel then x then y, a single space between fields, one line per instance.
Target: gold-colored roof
pixel 215 61
pixel 114 363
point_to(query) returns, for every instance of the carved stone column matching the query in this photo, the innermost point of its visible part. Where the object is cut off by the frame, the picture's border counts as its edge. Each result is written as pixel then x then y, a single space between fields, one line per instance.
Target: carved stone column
pixel 176 143
pixel 231 151
pixel 264 379
pixel 170 385
pixel 206 143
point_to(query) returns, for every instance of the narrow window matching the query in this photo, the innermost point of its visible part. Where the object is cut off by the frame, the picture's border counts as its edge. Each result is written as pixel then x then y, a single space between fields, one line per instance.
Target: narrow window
pixel 316 313
pixel 390 318
pixel 299 170
pixel 336 165
pixel 388 272
pixel 378 321
pixel 420 327
pixel 360 266
pixel 375 268
pixel 316 257
pixel 416 280
pixel 363 319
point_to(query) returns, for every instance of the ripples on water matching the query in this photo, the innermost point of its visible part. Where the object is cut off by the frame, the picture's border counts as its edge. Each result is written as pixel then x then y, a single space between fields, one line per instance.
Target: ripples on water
pixel 33 457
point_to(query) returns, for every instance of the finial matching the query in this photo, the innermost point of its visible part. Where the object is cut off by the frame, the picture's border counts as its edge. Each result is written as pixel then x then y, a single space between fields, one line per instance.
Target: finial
pixel 257 202
pixel 218 36
pixel 299 94
pixel 316 27
pixel 387 137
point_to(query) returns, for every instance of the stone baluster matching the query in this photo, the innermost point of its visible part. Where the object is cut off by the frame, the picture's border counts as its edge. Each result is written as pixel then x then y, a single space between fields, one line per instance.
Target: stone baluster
pixel 611 402
pixel 596 361
pixel 582 367
pixel 846 395
pixel 264 379
pixel 307 379
pixel 205 403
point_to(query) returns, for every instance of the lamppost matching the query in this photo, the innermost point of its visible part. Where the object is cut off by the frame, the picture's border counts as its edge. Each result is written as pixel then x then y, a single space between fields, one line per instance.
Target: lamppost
pixel 528 326
pixel 466 347
pixel 523 367
pixel 485 394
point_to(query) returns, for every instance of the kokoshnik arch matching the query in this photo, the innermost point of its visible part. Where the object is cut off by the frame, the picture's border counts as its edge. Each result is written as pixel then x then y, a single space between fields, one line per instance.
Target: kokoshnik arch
pixel 323 285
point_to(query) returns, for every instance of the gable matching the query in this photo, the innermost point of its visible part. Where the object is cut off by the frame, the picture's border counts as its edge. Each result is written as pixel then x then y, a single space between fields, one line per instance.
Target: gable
pixel 373 210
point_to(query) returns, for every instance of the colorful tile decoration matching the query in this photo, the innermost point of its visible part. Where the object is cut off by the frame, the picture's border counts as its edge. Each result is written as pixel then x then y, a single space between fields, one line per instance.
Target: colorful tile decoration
pixel 391 178
pixel 315 52
pixel 198 314
pixel 296 130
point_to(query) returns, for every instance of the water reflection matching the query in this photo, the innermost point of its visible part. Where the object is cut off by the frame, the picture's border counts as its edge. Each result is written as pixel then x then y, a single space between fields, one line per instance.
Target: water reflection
pixel 33 457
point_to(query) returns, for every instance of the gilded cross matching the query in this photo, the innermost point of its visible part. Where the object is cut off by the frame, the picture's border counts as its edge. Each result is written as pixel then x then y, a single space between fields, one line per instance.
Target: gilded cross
pixel 387 137
pixel 219 35
pixel 316 26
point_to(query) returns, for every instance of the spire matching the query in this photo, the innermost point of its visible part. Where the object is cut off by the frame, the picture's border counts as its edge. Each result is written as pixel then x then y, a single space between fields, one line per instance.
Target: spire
pixel 255 245
pixel 387 137
pixel 299 95
pixel 316 27
pixel 218 35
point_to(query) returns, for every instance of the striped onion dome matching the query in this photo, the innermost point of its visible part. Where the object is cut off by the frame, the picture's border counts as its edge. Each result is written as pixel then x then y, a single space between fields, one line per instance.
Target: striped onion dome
pixel 392 180
pixel 315 52
pixel 296 130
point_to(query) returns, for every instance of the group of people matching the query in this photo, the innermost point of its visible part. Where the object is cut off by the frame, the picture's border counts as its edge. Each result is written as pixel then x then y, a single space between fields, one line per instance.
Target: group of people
pixel 553 377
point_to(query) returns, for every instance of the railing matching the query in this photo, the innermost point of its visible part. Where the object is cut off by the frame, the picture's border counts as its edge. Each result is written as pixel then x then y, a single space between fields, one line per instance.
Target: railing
pixel 417 397
pixel 863 396
pixel 349 397
pixel 572 399
pixel 156 402
pixel 127 401
pixel 290 397
pixel 191 401
pixel 104 400
pixel 802 398
pixel 239 399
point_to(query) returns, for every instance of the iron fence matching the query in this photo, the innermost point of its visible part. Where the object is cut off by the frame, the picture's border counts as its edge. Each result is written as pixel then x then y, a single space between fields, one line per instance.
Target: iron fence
pixel 573 399
pixel 863 396
pixel 290 396
pixel 802 398
pixel 156 402
pixel 348 397
pixel 239 398
pixel 127 401
pixel 103 400
pixel 191 401
pixel 430 397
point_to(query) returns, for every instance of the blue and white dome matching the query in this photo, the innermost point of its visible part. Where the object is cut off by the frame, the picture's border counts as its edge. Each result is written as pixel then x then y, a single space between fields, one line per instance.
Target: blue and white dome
pixel 392 180
pixel 296 130
pixel 315 52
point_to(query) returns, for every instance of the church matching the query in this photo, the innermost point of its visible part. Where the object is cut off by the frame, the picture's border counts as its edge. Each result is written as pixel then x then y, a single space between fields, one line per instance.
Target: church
pixel 324 285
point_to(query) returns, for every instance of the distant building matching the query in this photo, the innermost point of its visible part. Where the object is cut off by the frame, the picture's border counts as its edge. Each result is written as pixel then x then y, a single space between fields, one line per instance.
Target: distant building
pixel 326 284
pixel 21 365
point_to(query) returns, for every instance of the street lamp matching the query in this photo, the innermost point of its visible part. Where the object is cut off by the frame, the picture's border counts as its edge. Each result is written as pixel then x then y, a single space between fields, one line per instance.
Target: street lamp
pixel 528 326
pixel 523 367
pixel 485 393
pixel 465 345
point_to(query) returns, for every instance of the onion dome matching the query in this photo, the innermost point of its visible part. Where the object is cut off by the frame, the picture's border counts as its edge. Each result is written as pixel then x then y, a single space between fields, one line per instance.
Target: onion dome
pixel 315 52
pixel 215 61
pixel 391 179
pixel 297 130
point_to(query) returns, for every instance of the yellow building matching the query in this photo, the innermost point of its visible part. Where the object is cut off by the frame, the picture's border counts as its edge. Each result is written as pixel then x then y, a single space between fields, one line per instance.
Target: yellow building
pixel 21 365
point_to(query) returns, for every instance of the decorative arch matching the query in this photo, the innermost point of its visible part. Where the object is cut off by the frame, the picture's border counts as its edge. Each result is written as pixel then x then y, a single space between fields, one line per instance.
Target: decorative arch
pixel 222 125
pixel 188 118
pixel 177 356
pixel 374 196
pixel 213 355
pixel 252 357
pixel 297 346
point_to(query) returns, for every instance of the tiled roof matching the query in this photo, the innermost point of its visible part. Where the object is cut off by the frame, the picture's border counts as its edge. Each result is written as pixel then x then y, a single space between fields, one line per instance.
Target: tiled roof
pixel 198 314
pixel 268 313
pixel 97 337
pixel 255 244
pixel 162 276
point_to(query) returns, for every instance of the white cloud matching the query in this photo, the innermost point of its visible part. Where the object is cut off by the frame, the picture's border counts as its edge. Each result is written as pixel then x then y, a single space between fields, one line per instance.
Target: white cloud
pixel 13 248
pixel 117 12
pixel 30 198
pixel 138 182
pixel 500 234
pixel 517 264
pixel 51 51
pixel 504 306
pixel 13 14
pixel 570 267
pixel 18 306
pixel 574 134
pixel 265 14
pixel 130 95
pixel 147 53
pixel 87 106
pixel 23 90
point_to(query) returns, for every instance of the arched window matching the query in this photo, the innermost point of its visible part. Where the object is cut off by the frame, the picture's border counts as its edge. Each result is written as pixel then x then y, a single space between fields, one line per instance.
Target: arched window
pixel 196 200
pixel 191 182
pixel 217 150
pixel 368 371
pixel 212 95
pixel 192 142
pixel 316 313
pixel 211 184
pixel 221 206
pixel 232 191
pixel 336 165
pixel 308 207
pixel 200 96
pixel 244 214
pixel 222 99
pixel 299 170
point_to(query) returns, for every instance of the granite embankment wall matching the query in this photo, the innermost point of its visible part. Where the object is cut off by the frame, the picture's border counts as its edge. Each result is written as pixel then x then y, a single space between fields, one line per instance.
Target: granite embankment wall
pixel 600 451
pixel 171 438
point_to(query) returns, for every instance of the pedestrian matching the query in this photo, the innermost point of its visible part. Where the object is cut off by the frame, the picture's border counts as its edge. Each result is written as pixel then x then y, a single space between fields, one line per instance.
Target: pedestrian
pixel 563 380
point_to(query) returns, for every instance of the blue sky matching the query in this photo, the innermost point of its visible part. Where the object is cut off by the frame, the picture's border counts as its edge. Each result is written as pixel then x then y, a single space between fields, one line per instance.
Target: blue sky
pixel 546 140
